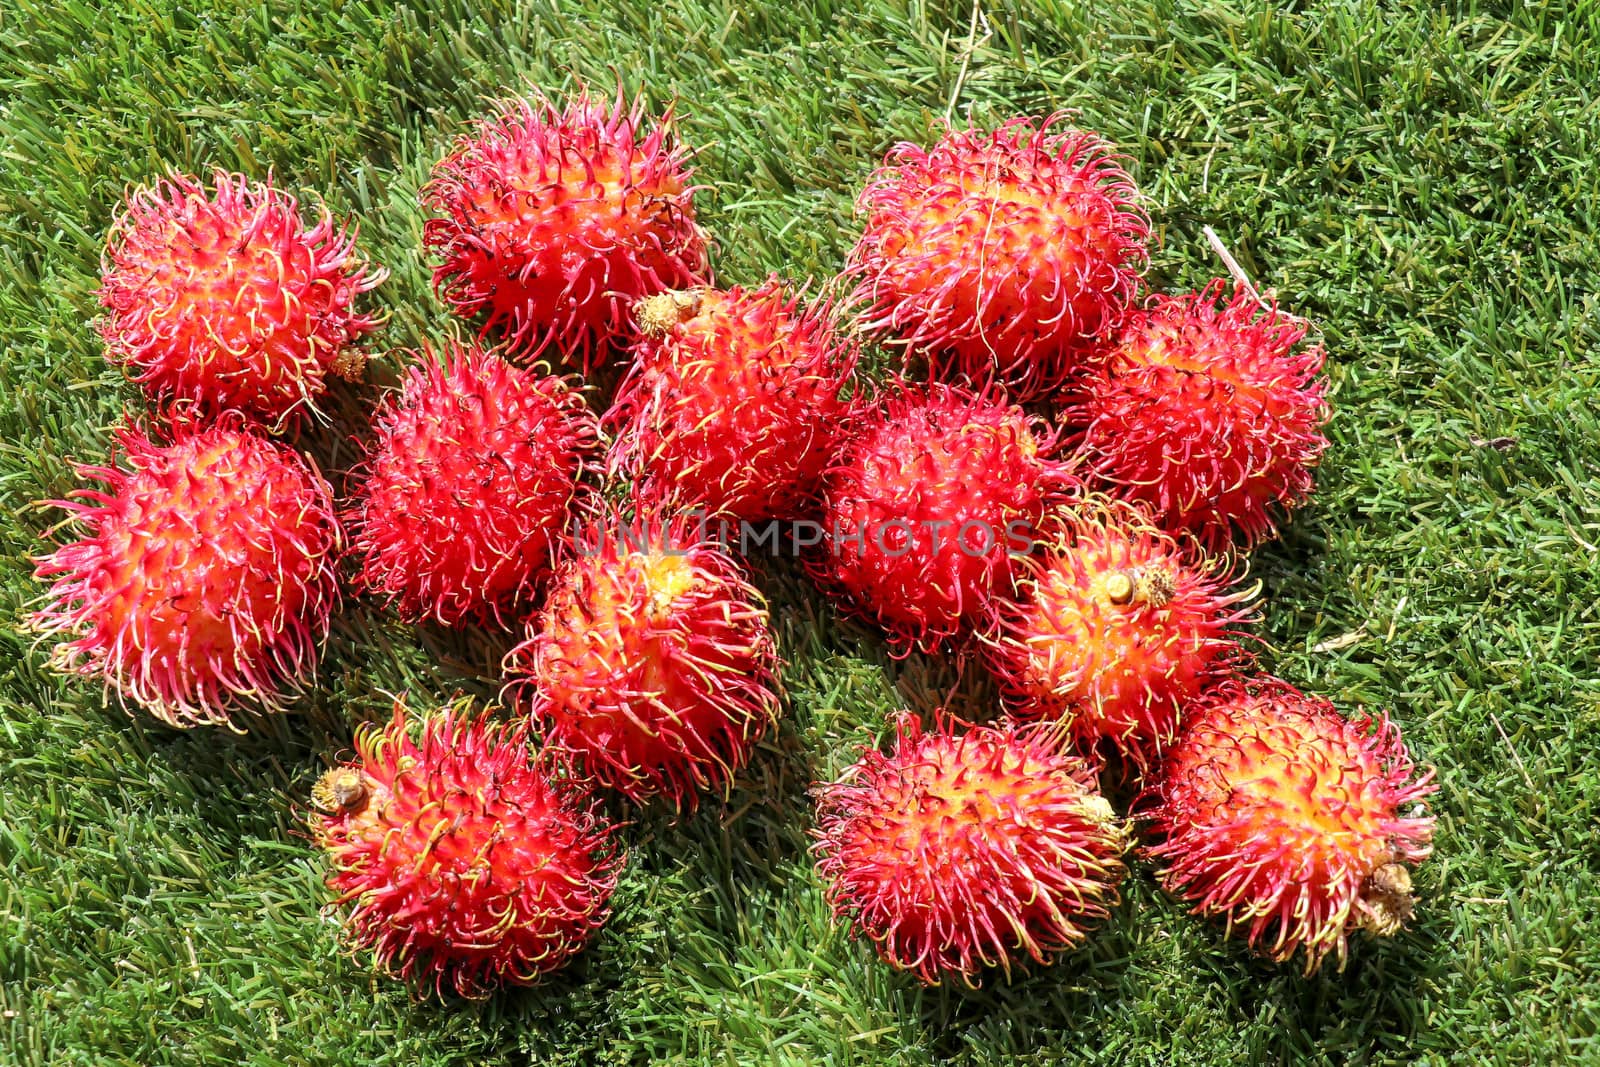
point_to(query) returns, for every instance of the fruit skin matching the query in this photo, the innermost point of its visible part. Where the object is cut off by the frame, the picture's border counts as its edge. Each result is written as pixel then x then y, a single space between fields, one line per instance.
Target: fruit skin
pixel 1207 414
pixel 734 402
pixel 555 220
pixel 652 668
pixel 1001 255
pixel 228 300
pixel 469 486
pixel 930 502
pixel 960 851
pixel 204 578
pixel 1115 628
pixel 468 866
pixel 1277 813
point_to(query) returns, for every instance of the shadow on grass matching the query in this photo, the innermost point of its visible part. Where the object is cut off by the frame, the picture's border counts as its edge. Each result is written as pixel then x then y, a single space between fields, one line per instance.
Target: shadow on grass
pixel 687 878
pixel 746 839
pixel 340 435
pixel 812 624
pixel 1078 994
pixel 258 781
pixel 565 1010
pixel 1368 1012
pixel 957 683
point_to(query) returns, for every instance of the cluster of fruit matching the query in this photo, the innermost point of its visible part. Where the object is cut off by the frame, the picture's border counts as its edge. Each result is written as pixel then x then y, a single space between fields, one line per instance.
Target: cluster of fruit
pixel 1082 548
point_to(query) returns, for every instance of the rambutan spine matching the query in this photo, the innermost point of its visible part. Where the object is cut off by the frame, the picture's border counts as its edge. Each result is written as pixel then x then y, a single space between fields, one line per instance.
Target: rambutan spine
pixel 1116 626
pixel 652 667
pixel 935 498
pixel 465 497
pixel 735 402
pixel 1208 411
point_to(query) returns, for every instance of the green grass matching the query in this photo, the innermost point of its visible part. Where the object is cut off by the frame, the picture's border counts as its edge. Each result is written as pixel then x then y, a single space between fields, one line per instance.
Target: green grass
pixel 1423 184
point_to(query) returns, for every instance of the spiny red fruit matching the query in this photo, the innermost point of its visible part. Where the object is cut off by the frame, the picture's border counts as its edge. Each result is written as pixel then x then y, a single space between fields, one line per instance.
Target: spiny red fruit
pixel 1001 255
pixel 1209 414
pixel 468 487
pixel 652 666
pixel 1115 629
pixel 229 300
pixel 204 578
pixel 963 851
pixel 930 504
pixel 554 221
pixel 467 866
pixel 1277 813
pixel 733 403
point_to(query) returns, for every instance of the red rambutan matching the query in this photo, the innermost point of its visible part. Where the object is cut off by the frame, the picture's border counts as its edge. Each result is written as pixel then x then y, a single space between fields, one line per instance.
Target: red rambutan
pixel 467 865
pixel 1115 630
pixel 931 504
pixel 1206 413
pixel 229 300
pixel 1002 255
pixel 652 665
pixel 469 486
pixel 961 851
pixel 733 403
pixel 1277 813
pixel 205 577
pixel 555 221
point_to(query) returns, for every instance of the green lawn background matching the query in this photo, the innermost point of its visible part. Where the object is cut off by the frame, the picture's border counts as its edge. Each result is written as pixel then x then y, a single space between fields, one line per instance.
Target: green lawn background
pixel 1421 182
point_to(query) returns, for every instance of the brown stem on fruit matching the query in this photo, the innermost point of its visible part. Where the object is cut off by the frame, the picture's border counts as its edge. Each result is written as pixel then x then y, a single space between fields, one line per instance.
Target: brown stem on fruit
pixel 1157 586
pixel 660 313
pixel 1098 810
pixel 341 789
pixel 1386 903
pixel 350 364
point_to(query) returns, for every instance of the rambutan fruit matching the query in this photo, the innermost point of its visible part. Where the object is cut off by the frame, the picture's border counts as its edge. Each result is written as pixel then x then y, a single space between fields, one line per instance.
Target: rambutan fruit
pixel 1001 256
pixel 204 579
pixel 468 487
pixel 467 865
pixel 1208 414
pixel 733 403
pixel 229 300
pixel 1275 812
pixel 1115 629
pixel 960 851
pixel 929 507
pixel 652 666
pixel 553 222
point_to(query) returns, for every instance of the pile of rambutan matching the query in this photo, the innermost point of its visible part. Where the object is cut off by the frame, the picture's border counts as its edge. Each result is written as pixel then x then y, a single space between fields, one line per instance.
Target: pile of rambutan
pixel 1187 427
pixel 1059 486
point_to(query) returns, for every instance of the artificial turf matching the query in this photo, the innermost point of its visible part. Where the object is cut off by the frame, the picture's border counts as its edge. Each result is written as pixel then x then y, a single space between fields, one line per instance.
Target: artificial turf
pixel 1420 180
